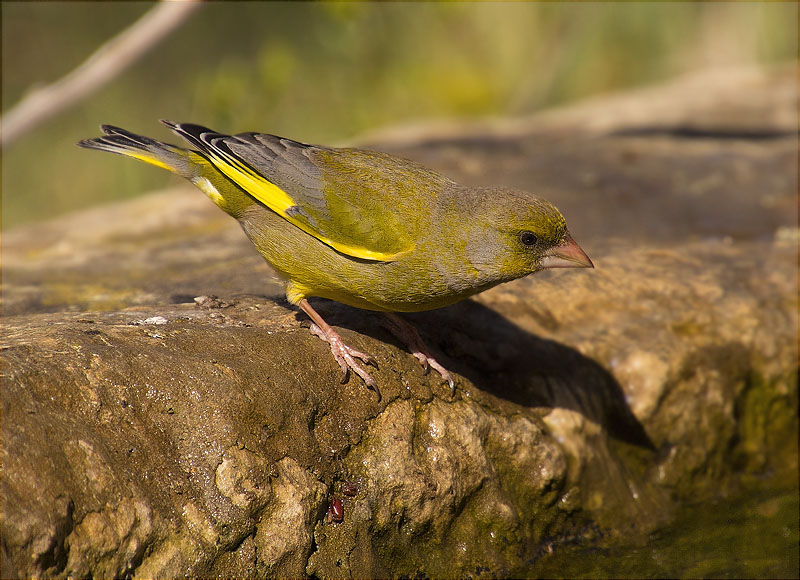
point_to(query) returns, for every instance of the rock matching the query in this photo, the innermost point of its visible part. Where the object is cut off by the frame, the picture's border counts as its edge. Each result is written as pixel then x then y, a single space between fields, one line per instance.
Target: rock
pixel 165 412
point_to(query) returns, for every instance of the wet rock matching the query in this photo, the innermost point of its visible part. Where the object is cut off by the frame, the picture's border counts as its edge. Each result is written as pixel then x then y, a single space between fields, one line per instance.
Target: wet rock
pixel 166 413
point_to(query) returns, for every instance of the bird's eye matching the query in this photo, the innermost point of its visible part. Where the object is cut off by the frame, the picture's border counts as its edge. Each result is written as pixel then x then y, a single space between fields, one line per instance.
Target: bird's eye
pixel 528 238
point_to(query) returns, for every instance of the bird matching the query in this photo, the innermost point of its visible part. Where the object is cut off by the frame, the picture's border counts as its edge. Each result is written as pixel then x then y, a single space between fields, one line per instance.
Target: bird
pixel 364 228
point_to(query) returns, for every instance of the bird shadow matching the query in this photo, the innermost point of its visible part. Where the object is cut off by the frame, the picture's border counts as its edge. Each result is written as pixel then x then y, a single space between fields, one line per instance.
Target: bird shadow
pixel 515 365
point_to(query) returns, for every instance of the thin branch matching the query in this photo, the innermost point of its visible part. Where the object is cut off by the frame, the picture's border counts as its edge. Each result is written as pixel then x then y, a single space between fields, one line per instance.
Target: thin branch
pixel 103 65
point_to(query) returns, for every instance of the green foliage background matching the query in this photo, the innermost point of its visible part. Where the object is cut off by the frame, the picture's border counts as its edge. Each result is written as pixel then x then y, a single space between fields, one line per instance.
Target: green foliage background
pixel 324 72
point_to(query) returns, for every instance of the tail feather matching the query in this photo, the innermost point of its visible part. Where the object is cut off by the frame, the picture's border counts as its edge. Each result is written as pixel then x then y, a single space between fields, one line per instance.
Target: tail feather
pixel 169 157
pixel 192 164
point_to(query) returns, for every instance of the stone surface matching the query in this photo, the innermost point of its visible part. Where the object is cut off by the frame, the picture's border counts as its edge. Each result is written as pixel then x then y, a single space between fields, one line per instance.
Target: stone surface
pixel 150 434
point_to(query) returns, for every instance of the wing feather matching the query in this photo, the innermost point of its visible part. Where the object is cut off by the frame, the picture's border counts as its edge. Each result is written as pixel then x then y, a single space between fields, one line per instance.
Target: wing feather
pixel 360 203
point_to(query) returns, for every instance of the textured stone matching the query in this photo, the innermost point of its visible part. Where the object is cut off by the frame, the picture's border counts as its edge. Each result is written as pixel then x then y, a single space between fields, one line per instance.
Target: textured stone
pixel 152 429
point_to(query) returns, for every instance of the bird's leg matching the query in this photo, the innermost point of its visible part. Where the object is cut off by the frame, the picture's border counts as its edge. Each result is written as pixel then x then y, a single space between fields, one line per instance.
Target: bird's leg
pixel 406 332
pixel 343 354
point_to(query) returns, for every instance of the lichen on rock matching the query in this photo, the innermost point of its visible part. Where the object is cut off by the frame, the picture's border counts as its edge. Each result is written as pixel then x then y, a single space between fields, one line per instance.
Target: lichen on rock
pixel 146 433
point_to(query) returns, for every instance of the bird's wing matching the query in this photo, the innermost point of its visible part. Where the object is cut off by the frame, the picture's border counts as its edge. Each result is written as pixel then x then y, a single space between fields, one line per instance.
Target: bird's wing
pixel 361 203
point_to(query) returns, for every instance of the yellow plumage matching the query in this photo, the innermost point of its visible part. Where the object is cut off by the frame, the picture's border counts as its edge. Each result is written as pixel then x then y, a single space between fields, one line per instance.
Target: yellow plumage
pixel 360 227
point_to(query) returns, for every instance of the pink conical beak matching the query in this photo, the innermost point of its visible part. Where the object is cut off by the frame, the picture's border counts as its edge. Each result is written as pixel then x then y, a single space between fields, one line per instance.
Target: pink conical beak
pixel 567 254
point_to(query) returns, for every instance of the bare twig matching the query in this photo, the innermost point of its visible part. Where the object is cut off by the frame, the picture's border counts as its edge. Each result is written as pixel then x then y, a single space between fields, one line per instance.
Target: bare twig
pixel 103 65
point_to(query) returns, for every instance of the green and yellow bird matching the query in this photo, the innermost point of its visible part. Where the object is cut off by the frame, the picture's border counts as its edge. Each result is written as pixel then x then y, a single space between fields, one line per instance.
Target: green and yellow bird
pixel 363 228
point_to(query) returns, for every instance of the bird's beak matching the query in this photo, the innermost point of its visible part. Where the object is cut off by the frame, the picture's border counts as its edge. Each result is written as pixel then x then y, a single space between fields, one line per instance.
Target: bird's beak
pixel 567 254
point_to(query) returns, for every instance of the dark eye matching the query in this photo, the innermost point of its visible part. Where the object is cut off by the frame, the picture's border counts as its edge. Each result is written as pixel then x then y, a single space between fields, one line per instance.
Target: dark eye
pixel 528 238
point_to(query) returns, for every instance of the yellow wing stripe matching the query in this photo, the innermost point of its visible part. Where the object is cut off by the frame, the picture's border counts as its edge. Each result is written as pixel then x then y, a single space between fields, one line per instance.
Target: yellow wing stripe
pixel 279 201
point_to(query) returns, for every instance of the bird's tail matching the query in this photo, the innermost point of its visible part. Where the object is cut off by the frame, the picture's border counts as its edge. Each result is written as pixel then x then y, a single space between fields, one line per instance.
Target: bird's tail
pixel 183 162
pixel 188 163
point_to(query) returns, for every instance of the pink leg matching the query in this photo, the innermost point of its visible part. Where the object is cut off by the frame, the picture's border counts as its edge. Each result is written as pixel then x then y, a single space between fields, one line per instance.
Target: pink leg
pixel 343 354
pixel 406 332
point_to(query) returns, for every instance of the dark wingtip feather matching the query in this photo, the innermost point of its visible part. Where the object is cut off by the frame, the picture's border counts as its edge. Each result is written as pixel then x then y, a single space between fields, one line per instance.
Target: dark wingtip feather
pixel 197 135
pixel 196 131
pixel 110 129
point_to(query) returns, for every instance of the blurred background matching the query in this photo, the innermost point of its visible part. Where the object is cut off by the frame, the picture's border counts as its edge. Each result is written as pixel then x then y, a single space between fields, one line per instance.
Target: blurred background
pixel 326 72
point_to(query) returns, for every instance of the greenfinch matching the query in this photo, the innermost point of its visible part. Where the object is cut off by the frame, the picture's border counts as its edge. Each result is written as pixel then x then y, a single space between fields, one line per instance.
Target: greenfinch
pixel 364 228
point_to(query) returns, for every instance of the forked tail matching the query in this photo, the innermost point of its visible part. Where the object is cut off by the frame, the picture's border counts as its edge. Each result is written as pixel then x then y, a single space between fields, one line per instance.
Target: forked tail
pixel 182 161
pixel 188 163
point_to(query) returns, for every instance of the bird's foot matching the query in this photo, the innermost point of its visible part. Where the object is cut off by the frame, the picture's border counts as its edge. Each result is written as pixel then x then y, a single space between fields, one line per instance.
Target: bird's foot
pixel 344 355
pixel 406 332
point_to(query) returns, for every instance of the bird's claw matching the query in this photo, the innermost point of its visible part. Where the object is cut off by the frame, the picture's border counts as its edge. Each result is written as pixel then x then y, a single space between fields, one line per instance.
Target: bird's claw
pixel 346 357
pixel 408 334
pixel 423 360
pixel 432 362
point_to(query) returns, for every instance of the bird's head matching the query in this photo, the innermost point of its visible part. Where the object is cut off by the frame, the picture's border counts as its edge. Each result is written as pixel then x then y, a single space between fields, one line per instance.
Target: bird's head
pixel 516 234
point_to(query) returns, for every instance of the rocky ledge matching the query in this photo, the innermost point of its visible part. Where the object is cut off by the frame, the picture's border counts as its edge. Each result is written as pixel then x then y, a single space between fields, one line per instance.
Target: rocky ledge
pixel 166 413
